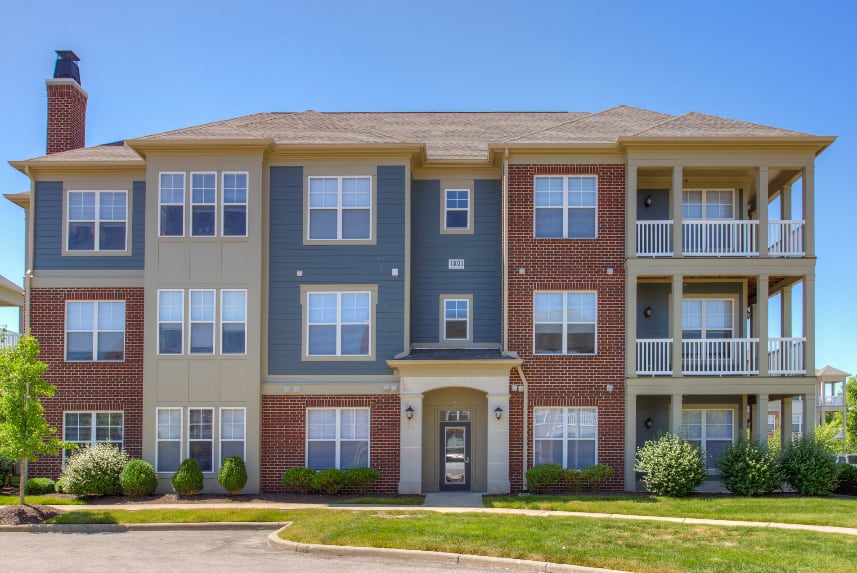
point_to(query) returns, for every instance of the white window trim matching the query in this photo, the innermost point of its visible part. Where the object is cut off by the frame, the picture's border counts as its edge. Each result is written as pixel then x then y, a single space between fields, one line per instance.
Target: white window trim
pixel 704 408
pixel 191 322
pixel 469 210
pixel 733 300
pixel 565 438
pixel 338 439
pixel 565 206
pixel 96 222
pixel 220 434
pixel 214 421
pixel 223 203
pixel 444 298
pixel 180 322
pixel 222 321
pixel 704 199
pixel 95 330
pixel 158 440
pixel 184 200
pixel 194 204
pixel 565 322
pixel 306 290
pixel 92 424
pixel 340 208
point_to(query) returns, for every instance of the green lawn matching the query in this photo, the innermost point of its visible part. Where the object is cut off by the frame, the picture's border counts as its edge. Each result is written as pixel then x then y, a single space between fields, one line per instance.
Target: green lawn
pixel 805 510
pixel 630 545
pixel 39 499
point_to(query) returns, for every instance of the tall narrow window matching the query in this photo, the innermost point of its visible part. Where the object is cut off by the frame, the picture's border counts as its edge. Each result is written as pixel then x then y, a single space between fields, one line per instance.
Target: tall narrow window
pixel 565 322
pixel 170 321
pixel 234 204
pixel 203 197
pixel 338 323
pixel 457 209
pixel 200 437
pixel 456 319
pixel 233 321
pixel 340 208
pixel 169 439
pixel 97 220
pixel 566 207
pixel 95 331
pixel 337 438
pixel 202 322
pixel 232 427
pixel 565 436
pixel 171 197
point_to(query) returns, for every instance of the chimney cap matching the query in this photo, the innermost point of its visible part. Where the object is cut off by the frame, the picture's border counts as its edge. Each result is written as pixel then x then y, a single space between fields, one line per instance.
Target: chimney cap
pixel 67 55
pixel 66 65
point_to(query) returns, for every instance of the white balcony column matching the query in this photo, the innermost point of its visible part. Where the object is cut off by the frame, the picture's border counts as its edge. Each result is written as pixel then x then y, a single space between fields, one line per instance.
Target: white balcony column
pixel 675 323
pixel 809 323
pixel 786 203
pixel 631 245
pixel 762 321
pixel 411 445
pixel 762 209
pixel 498 444
pixel 630 325
pixel 810 413
pixel 630 439
pixel 785 422
pixel 786 312
pixel 675 207
pixel 675 413
pixel 759 427
pixel 809 210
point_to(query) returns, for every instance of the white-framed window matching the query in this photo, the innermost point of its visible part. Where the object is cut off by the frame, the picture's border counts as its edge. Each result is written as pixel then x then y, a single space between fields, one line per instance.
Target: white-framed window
pixel 90 428
pixel 797 424
pixel 202 321
pixel 97 220
pixel 339 323
pixel 234 204
pixel 565 436
pixel 232 433
pixel 772 422
pixel 170 321
pixel 565 322
pixel 171 194
pixel 707 318
pixel 340 208
pixel 712 430
pixel 168 454
pixel 566 207
pixel 200 437
pixel 233 322
pixel 95 331
pixel 203 204
pixel 456 319
pixel 708 204
pixel 337 438
pixel 456 206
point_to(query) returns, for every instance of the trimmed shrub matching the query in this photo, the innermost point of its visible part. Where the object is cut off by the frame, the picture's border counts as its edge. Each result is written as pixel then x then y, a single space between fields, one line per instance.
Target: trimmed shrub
pixel 232 475
pixel 809 466
pixel 328 481
pixel 138 478
pixel 545 478
pixel 298 480
pixel 846 479
pixel 39 486
pixel 596 476
pixel 671 466
pixel 94 470
pixel 749 468
pixel 359 479
pixel 59 487
pixel 188 478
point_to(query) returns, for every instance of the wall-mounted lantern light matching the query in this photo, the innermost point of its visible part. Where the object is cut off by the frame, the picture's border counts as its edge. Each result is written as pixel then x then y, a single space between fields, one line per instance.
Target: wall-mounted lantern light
pixel 648 423
pixel 648 312
pixel 648 202
pixel 409 412
pixel 498 412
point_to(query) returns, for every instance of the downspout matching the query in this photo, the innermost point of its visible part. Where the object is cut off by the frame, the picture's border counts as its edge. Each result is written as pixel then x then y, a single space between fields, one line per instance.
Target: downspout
pixel 524 425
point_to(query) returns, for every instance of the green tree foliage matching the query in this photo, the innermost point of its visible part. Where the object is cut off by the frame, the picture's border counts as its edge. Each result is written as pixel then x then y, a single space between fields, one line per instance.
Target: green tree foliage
pixel 851 417
pixel 24 432
pixel 749 468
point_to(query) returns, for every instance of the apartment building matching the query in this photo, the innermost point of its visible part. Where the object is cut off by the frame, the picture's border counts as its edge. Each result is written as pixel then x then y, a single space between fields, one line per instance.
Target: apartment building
pixel 450 298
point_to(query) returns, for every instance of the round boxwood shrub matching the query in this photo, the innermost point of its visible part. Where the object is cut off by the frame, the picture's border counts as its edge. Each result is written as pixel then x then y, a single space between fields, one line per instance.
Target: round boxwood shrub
pixel 328 481
pixel 808 466
pixel 94 470
pixel 188 478
pixel 545 478
pixel 138 478
pixel 59 487
pixel 298 479
pixel 670 465
pixel 749 468
pixel 596 476
pixel 232 475
pixel 846 479
pixel 39 486
pixel 359 479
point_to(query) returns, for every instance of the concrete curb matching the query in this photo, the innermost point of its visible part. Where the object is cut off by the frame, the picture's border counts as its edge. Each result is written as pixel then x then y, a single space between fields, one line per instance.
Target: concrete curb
pixel 121 527
pixel 276 542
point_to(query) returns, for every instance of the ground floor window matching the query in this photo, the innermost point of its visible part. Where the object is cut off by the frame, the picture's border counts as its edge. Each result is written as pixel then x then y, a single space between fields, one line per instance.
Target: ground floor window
pixel 169 439
pixel 90 428
pixel 565 436
pixel 200 437
pixel 175 442
pixel 232 431
pixel 710 429
pixel 337 438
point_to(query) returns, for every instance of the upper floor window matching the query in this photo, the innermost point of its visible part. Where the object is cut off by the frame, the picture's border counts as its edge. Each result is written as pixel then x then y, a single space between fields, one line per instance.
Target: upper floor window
pixel 171 198
pixel 566 207
pixel 708 204
pixel 97 220
pixel 233 321
pixel 338 323
pixel 170 321
pixel 565 322
pixel 456 208
pixel 707 318
pixel 340 208
pixel 203 200
pixel 95 331
pixel 234 204
pixel 202 322
pixel 456 319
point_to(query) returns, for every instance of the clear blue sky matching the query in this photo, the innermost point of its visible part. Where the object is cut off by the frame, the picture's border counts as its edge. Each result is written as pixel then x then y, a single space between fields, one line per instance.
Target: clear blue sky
pixel 155 66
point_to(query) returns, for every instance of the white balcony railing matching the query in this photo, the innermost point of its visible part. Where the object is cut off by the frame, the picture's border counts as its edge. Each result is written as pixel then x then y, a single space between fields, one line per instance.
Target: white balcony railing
pixel 833 400
pixel 654 356
pixel 719 238
pixel 785 239
pixel 720 356
pixel 9 339
pixel 654 238
pixel 785 356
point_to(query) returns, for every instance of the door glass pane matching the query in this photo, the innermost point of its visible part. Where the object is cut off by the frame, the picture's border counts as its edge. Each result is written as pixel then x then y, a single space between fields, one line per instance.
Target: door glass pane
pixel 454 455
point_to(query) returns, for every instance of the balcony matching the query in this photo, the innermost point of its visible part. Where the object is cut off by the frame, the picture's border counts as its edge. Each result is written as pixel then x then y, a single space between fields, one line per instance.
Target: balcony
pixel 9 339
pixel 720 238
pixel 720 357
pixel 832 400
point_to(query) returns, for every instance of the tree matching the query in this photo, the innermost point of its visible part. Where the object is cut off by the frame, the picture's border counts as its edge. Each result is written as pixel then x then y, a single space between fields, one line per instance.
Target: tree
pixel 851 415
pixel 24 432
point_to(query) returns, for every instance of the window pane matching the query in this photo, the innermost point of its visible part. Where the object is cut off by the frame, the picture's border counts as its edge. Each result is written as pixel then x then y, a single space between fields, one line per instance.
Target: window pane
pixel 112 206
pixel 168 456
pixel 202 220
pixel 355 224
pixel 581 223
pixel 580 339
pixel 202 187
pixel 233 338
pixel 548 307
pixel 202 338
pixel 321 455
pixel 201 305
pixel 548 223
pixel 548 191
pixel 321 424
pixel 323 192
pixel 355 339
pixel 548 423
pixel 322 224
pixel 169 424
pixel 170 338
pixel 234 305
pixel 548 338
pixel 79 316
pixel 353 455
pixel 78 346
pixel 81 206
pixel 355 307
pixel 81 236
pixel 456 330
pixel 322 308
pixel 172 220
pixel 235 220
pixel 547 452
pixel 231 424
pixel 170 305
pixel 111 236
pixel 356 192
pixel 322 340
pixel 111 346
pixel 200 424
pixel 581 453
pixel 201 452
pixel 231 448
pixel 456 219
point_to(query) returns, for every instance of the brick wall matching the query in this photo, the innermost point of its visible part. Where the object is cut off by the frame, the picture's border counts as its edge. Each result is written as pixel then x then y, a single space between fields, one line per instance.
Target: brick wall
pixel 570 264
pixel 284 435
pixel 66 117
pixel 89 386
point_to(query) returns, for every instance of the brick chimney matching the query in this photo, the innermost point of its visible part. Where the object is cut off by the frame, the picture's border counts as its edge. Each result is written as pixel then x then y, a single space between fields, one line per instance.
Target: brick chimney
pixel 66 105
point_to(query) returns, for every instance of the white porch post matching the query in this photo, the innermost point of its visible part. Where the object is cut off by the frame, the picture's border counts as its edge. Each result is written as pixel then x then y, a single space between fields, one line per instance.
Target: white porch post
pixel 809 323
pixel 630 440
pixel 675 413
pixel 762 314
pixel 630 325
pixel 786 312
pixel 759 430
pixel 809 210
pixel 675 314
pixel 762 209
pixel 498 444
pixel 675 202
pixel 785 422
pixel 810 413
pixel 411 445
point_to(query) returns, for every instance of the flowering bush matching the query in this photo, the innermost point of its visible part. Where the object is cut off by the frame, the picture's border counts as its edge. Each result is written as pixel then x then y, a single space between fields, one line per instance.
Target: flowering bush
pixel 94 470
pixel 670 465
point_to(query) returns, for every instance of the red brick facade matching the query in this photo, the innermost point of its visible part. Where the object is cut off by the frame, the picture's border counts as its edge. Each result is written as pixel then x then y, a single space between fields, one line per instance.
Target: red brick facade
pixel 284 435
pixel 66 116
pixel 90 386
pixel 565 265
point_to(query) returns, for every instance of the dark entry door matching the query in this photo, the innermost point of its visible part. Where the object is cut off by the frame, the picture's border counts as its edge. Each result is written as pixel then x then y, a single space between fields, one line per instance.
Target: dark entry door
pixel 455 456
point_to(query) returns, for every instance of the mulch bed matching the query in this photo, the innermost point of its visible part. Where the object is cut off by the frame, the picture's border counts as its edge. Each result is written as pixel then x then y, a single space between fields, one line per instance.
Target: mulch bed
pixel 26 514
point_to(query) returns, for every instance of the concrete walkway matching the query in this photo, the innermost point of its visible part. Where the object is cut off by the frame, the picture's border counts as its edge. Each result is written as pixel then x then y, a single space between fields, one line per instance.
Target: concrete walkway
pixel 453 499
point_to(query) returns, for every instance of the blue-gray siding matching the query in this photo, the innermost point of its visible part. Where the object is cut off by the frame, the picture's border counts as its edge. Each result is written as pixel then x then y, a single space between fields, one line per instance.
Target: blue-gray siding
pixel 432 250
pixel 331 265
pixel 657 296
pixel 47 228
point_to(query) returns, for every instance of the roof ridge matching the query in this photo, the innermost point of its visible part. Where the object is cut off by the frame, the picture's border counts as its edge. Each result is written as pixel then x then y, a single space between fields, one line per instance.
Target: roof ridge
pixel 564 123
pixel 222 122
pixel 666 121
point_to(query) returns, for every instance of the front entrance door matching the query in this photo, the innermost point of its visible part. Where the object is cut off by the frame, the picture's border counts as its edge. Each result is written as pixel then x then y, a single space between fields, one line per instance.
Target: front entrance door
pixel 455 455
